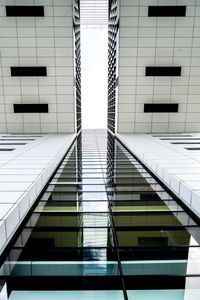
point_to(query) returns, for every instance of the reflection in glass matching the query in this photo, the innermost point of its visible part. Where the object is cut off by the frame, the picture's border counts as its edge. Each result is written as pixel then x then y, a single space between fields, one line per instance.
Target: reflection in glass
pixel 105 223
pixel 67 295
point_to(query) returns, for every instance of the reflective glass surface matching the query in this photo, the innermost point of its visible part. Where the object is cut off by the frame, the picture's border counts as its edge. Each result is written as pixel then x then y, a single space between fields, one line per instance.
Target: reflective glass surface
pixel 67 295
pixel 104 228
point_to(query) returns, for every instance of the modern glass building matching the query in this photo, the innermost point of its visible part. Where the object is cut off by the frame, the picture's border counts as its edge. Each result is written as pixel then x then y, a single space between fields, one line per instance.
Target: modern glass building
pixel 100 213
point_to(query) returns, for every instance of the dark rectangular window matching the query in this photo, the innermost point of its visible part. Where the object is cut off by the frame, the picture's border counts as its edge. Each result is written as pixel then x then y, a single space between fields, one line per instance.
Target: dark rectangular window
pixel 17 139
pixel 24 11
pixel 160 107
pixel 193 149
pixel 30 108
pixel 24 135
pixel 172 135
pixel 28 71
pixel 10 144
pixel 163 71
pixel 167 11
pixel 180 139
pixel 6 149
pixel 185 143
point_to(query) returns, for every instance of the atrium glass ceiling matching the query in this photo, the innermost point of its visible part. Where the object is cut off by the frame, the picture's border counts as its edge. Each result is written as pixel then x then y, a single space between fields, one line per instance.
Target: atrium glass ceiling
pixel 94 13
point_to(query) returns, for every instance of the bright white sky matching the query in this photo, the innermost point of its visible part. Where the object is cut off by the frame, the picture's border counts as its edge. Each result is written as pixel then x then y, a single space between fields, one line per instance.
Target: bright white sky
pixel 94 43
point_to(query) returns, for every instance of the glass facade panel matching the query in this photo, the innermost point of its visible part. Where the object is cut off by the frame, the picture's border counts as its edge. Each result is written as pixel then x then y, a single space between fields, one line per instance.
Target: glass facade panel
pixel 156 294
pixel 67 295
pixel 104 227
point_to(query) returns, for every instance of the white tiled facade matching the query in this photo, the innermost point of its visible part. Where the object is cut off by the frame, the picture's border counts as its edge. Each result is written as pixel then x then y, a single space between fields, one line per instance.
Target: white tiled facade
pixel 38 41
pixel 158 41
pixel 143 41
pixel 24 173
pixel 177 167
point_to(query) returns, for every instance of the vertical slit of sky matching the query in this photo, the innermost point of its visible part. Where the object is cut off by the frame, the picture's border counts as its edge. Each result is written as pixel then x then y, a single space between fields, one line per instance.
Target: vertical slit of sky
pixel 94 53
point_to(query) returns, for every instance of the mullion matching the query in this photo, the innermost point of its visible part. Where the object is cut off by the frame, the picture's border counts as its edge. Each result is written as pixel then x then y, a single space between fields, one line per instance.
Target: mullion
pixel 92 168
pixel 94 157
pixel 147 200
pixel 152 208
pixel 70 248
pixel 137 181
pixel 78 191
pixel 147 228
pixel 144 213
pixel 83 170
pixel 91 212
pixel 113 201
pixel 173 211
pixel 127 165
pixel 134 170
pixel 131 248
pixel 123 167
pixel 137 189
pixel 68 171
pixel 91 159
pixel 75 201
pixel 78 213
pixel 178 227
pixel 62 213
pixel 118 161
pixel 64 228
pixel 90 153
pixel 108 178
pixel 146 183
pixel 109 192
pixel 116 245
pixel 85 163
pixel 85 181
pixel 63 171
pixel 117 181
pixel 75 183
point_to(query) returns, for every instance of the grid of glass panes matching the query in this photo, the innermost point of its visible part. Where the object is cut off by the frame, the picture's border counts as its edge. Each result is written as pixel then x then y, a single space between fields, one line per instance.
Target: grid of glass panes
pixel 105 228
